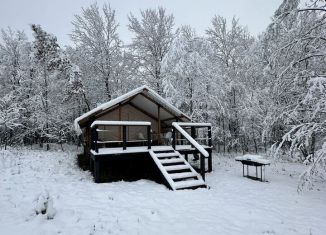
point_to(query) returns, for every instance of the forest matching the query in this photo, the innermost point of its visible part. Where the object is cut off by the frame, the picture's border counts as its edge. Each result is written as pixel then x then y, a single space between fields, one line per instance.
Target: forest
pixel 263 93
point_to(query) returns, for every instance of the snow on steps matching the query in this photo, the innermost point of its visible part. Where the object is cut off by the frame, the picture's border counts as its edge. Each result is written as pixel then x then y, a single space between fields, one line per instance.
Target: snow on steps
pixel 176 167
pixel 173 160
pixel 188 184
pixel 186 178
pixel 183 175
pixel 167 155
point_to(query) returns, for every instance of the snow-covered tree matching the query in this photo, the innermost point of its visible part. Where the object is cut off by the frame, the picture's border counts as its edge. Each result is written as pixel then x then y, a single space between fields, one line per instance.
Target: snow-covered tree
pixel 189 74
pixel 294 57
pixel 15 80
pixel 14 57
pixel 230 45
pixel 153 35
pixel 10 113
pixel 99 50
pixel 296 38
pixel 53 106
pixel 46 55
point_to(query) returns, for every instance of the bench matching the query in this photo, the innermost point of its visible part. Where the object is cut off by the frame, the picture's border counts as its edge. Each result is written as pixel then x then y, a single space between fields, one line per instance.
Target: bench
pixel 256 161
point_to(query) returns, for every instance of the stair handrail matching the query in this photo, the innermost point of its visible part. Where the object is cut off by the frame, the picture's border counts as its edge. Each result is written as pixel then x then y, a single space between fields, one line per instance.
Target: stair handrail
pixel 200 148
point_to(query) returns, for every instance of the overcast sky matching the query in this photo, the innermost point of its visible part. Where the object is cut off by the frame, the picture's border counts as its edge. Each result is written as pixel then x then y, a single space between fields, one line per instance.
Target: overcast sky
pixel 55 16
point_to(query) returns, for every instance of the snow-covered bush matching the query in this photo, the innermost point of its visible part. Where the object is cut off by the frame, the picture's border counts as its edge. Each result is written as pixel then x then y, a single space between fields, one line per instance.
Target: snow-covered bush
pixel 9 118
pixel 316 170
pixel 44 205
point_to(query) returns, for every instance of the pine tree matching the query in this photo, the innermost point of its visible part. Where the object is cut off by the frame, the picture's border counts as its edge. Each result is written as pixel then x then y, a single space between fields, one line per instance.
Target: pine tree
pixel 46 53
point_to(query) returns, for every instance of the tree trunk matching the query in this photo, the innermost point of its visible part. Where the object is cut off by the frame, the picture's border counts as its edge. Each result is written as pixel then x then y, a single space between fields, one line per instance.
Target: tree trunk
pixel 224 138
pixel 218 144
pixel 86 102
pixel 6 137
pixel 158 77
pixel 253 136
pixel 312 146
pixel 235 123
pixel 107 87
pixel 46 103
pixel 191 104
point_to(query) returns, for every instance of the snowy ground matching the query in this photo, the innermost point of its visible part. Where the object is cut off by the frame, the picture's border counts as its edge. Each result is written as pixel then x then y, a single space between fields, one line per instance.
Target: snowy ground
pixel 233 205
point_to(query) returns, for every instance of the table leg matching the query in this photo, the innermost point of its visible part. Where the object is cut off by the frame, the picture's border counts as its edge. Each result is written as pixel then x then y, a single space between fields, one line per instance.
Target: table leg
pixel 256 172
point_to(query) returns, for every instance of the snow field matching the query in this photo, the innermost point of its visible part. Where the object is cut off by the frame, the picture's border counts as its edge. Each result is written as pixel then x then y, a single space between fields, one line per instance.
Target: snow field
pixel 233 204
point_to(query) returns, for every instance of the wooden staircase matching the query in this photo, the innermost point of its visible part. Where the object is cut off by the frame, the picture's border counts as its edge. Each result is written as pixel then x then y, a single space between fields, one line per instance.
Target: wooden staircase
pixel 177 172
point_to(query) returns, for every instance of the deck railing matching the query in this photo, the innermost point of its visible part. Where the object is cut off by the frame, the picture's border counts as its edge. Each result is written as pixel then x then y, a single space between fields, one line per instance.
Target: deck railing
pixel 94 130
pixel 179 126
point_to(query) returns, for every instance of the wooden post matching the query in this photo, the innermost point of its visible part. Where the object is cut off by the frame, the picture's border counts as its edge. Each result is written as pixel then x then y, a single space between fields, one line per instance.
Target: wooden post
pixel 94 139
pixel 173 138
pixel 97 171
pixel 91 165
pixel 202 166
pixel 88 141
pixel 124 137
pixel 210 136
pixel 149 138
pixel 193 134
pixel 210 144
pixel 120 129
pixel 210 161
pixel 256 173
pixel 158 124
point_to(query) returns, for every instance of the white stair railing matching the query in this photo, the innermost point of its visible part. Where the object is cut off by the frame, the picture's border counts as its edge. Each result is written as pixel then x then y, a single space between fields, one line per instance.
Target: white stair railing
pixel 202 151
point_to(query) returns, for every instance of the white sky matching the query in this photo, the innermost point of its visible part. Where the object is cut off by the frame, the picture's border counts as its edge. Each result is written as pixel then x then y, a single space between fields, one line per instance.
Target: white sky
pixel 55 16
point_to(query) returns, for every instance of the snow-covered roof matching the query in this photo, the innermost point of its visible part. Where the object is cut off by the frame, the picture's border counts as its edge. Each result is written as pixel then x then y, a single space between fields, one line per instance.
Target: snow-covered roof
pixel 148 101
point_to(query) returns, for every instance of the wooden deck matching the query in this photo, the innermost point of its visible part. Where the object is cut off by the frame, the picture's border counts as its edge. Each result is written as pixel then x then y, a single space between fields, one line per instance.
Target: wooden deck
pixel 170 160
pixel 143 149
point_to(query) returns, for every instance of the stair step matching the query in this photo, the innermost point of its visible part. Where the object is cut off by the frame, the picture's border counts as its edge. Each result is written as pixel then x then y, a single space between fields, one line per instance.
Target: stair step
pixel 183 175
pixel 176 170
pixel 173 160
pixel 163 151
pixel 166 155
pixel 176 167
pixel 189 184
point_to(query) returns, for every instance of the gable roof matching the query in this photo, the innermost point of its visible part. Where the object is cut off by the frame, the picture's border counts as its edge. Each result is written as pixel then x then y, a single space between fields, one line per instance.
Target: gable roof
pixel 143 98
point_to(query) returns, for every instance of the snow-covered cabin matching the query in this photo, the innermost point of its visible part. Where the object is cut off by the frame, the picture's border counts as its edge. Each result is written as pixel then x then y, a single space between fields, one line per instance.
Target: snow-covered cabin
pixel 142 124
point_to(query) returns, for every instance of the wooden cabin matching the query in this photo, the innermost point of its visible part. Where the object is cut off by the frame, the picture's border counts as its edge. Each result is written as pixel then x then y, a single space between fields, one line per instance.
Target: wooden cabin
pixel 142 124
